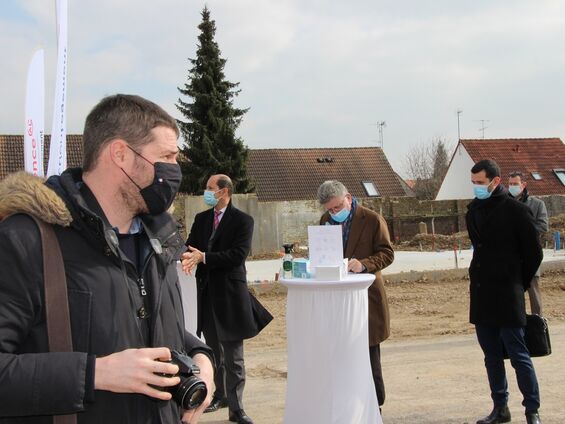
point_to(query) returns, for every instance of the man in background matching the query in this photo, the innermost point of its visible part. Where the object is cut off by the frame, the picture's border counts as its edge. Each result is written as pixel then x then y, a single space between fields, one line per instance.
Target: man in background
pixel 506 255
pixel 367 242
pixel 517 189
pixel 218 244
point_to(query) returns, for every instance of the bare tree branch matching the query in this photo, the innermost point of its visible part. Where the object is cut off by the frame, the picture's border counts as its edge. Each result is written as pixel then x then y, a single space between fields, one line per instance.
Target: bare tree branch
pixel 426 164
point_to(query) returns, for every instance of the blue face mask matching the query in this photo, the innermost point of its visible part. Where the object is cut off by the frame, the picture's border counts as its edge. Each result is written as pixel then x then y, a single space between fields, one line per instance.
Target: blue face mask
pixel 209 198
pixel 481 191
pixel 515 190
pixel 341 215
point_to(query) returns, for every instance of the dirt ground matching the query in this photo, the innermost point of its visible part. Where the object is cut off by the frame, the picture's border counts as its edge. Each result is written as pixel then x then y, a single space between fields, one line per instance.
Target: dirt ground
pixel 428 316
pixel 429 242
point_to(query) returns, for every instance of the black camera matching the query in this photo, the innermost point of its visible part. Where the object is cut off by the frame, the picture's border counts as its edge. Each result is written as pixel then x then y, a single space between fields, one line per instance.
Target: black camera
pixel 191 391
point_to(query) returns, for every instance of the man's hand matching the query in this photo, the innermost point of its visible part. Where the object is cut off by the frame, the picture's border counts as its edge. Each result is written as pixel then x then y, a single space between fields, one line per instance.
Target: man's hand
pixel 355 266
pixel 134 370
pixel 191 259
pixel 206 375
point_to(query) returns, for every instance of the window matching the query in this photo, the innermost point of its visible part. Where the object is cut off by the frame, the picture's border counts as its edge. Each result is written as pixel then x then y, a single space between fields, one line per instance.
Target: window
pixel 536 175
pixel 370 189
pixel 560 174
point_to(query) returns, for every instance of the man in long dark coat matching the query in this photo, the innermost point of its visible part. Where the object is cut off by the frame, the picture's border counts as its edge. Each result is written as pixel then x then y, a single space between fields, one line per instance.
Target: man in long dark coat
pixel 218 244
pixel 506 256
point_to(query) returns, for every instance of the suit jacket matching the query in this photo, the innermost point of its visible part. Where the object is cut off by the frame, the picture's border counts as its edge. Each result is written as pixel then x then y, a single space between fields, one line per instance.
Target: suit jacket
pixel 369 242
pixel 539 210
pixel 506 255
pixel 222 281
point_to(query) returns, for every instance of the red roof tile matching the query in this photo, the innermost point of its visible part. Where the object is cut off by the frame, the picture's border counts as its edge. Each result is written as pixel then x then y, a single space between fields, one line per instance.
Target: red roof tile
pixel 525 155
pixel 278 174
pixel 12 152
pixel 410 183
pixel 296 174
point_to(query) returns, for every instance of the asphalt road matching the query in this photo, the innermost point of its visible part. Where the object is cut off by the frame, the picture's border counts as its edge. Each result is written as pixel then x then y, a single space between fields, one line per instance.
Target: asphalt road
pixel 258 271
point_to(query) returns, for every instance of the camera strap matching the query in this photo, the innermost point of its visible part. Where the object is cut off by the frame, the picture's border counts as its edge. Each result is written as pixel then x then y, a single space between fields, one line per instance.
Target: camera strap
pixel 56 300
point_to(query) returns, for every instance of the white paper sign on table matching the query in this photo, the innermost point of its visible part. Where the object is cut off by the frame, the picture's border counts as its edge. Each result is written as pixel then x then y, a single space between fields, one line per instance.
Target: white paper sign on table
pixel 325 245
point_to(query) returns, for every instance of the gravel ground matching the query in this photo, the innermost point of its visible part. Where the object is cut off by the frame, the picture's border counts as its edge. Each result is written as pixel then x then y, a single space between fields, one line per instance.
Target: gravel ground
pixel 432 364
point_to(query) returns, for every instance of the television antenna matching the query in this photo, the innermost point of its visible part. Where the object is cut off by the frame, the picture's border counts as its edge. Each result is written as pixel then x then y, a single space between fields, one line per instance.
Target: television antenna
pixel 459 112
pixel 483 127
pixel 381 125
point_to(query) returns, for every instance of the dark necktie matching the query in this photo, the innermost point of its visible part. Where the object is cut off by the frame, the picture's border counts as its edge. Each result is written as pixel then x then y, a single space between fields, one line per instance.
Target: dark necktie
pixel 217 218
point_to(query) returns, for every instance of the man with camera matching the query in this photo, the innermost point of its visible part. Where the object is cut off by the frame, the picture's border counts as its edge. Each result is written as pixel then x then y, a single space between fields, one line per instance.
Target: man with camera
pixel 132 360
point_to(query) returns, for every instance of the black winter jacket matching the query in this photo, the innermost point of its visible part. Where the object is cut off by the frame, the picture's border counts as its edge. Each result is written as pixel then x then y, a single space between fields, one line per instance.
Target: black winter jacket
pixel 506 256
pixel 103 299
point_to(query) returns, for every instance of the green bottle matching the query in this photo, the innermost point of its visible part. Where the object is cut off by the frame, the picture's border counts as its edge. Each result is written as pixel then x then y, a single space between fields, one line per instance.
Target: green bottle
pixel 287 261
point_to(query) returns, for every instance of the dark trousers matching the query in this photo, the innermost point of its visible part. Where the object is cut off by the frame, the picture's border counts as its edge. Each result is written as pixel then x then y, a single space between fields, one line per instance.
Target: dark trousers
pixel 375 356
pixel 492 340
pixel 230 372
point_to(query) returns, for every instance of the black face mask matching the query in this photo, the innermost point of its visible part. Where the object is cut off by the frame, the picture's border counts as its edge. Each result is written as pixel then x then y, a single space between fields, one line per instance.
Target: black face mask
pixel 159 195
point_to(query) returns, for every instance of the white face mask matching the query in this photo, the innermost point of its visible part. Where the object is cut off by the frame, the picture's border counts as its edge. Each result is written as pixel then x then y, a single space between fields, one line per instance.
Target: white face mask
pixel 515 190
pixel 341 216
pixel 209 198
pixel 481 191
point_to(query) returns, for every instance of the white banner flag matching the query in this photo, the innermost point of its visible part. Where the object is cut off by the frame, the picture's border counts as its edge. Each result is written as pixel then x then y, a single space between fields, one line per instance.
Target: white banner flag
pixel 58 148
pixel 35 115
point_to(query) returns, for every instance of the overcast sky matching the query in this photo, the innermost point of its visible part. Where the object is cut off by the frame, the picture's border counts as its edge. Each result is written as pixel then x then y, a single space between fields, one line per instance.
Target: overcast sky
pixel 314 73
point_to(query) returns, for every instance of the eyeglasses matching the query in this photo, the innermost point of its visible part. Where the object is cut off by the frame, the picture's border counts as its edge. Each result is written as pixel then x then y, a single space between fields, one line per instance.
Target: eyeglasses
pixel 336 209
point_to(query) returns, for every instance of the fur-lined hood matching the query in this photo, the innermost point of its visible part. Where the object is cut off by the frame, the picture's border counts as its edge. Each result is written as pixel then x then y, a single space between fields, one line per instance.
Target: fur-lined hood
pixel 24 193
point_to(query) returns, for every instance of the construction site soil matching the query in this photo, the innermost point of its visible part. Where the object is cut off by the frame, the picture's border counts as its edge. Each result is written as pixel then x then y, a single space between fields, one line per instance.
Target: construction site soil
pixel 433 307
pixel 434 242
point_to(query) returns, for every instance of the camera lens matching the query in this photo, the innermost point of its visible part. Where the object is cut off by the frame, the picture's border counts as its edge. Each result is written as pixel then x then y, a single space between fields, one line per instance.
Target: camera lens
pixel 190 393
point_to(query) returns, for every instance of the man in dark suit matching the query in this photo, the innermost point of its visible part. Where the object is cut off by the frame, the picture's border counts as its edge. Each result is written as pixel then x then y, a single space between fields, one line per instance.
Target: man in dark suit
pixel 218 244
pixel 367 242
pixel 506 256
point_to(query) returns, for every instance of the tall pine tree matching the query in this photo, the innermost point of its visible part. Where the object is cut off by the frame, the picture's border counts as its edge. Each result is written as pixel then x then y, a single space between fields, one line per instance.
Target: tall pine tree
pixel 441 162
pixel 212 146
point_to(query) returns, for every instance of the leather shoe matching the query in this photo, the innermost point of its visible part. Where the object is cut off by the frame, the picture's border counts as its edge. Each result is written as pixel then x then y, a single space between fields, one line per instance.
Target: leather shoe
pixel 216 404
pixel 533 418
pixel 240 417
pixel 499 414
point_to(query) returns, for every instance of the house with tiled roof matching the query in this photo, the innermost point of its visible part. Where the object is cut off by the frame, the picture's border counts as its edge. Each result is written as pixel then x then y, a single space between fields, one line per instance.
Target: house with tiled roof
pixel 12 152
pixel 278 174
pixel 296 174
pixel 540 160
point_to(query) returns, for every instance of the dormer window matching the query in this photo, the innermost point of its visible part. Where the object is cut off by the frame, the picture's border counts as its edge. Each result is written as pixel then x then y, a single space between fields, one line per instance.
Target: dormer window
pixel 370 189
pixel 560 173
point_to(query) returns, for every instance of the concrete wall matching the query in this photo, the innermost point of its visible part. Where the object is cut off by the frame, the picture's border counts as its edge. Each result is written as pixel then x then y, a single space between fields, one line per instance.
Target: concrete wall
pixel 555 204
pixel 275 222
pixel 295 218
pixel 287 222
pixel 188 206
